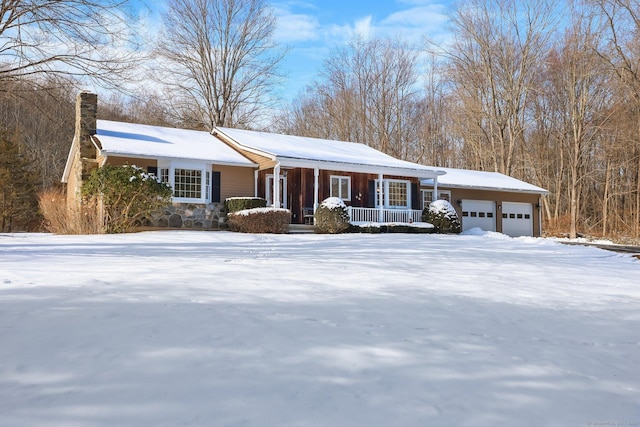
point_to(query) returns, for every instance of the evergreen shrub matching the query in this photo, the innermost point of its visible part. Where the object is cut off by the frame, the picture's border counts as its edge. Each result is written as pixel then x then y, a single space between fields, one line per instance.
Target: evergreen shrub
pixel 443 216
pixel 128 195
pixel 332 216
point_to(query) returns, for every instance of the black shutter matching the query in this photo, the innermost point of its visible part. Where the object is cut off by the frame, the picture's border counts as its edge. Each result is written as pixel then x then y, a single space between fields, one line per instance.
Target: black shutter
pixel 153 170
pixel 215 186
pixel 371 200
pixel 415 196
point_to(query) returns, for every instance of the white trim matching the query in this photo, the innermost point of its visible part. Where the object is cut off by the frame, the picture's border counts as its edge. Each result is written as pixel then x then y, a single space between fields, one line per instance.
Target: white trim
pixel 172 159
pixel 425 173
pixel 380 203
pixel 202 167
pixel 270 187
pixel 487 188
pixel 316 189
pixel 276 187
pixel 340 178
pixel 423 191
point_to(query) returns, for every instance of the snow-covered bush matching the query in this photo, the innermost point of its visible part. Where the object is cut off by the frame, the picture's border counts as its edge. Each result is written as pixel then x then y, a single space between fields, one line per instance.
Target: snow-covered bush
pixel 332 216
pixel 443 216
pixel 260 220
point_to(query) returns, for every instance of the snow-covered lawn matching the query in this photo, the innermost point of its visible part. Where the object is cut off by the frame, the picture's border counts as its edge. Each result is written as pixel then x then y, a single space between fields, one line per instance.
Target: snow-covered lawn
pixel 223 329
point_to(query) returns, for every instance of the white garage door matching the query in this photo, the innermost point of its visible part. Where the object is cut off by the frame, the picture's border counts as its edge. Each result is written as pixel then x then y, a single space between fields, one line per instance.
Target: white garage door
pixel 478 213
pixel 517 219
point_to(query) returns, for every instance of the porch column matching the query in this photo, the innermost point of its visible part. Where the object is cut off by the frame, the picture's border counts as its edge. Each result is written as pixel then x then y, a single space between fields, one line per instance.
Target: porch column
pixel 255 183
pixel 276 186
pixel 380 198
pixel 316 189
pixel 435 188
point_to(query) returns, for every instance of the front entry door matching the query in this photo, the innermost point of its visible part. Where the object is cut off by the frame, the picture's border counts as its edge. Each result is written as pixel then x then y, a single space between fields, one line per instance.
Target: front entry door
pixel 283 191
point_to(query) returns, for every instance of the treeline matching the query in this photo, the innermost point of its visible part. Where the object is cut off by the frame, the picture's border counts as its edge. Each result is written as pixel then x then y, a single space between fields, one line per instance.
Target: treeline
pixel 544 92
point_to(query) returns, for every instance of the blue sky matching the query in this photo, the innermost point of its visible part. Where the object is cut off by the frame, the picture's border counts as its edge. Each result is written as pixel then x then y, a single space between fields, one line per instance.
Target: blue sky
pixel 313 28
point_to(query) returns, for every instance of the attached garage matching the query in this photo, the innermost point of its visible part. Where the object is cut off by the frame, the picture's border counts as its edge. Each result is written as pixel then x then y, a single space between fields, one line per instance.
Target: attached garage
pixel 478 213
pixel 489 200
pixel 517 219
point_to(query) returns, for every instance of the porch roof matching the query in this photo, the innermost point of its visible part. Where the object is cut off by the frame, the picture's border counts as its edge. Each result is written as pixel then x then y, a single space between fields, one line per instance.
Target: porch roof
pixel 296 151
pixel 144 141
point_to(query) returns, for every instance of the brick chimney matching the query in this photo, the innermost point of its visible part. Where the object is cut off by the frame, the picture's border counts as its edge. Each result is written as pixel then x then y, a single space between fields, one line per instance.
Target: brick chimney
pixel 86 116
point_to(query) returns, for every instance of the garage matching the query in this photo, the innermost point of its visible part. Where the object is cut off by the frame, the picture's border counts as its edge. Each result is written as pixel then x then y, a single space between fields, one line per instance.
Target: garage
pixel 517 219
pixel 478 213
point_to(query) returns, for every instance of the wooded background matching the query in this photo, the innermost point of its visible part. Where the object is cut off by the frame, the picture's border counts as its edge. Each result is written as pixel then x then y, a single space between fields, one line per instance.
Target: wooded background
pixel 543 91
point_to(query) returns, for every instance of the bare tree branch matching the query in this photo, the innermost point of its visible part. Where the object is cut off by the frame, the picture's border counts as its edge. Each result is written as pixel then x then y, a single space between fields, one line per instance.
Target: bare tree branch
pixel 218 60
pixel 92 39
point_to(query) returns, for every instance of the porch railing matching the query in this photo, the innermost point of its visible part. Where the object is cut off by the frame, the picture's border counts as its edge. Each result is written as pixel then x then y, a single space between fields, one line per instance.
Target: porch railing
pixel 389 215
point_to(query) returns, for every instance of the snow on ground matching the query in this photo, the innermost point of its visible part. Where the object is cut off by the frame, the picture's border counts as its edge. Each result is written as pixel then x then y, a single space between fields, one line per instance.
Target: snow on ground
pixel 224 329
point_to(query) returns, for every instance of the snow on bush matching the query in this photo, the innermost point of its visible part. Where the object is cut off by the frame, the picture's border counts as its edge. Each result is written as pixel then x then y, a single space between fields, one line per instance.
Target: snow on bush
pixel 333 203
pixel 443 216
pixel 332 216
pixel 235 204
pixel 260 220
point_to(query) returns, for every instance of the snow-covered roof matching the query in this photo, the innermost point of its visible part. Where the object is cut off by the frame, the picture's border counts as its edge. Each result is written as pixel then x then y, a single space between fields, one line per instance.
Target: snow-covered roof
pixel 144 141
pixel 297 151
pixel 465 178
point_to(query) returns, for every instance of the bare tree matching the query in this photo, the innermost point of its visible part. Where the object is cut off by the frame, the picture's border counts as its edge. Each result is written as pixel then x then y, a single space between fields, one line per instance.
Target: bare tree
pixel 496 52
pixel 621 21
pixel 218 60
pixel 368 93
pixel 82 38
pixel 579 94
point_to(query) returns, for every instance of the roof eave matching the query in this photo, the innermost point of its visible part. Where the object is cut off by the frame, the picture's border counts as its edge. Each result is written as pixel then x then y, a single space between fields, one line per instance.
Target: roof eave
pixel 485 188
pixel 356 167
pixel 238 145
pixel 185 159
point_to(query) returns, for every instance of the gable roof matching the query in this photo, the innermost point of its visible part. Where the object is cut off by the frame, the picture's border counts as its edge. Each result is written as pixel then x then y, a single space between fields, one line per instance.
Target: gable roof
pixel 144 141
pixel 481 180
pixel 297 151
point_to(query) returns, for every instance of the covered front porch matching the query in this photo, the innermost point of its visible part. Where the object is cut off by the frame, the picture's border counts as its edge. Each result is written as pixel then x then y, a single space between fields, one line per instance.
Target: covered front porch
pixel 392 195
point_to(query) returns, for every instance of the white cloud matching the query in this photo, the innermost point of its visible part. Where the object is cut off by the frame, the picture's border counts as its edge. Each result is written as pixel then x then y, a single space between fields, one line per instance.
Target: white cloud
pixel 414 23
pixel 363 27
pixel 295 27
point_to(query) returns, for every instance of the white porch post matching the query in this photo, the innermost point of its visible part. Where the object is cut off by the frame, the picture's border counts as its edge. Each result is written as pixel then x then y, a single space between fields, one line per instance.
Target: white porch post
pixel 316 189
pixel 276 186
pixel 380 198
pixel 255 183
pixel 435 188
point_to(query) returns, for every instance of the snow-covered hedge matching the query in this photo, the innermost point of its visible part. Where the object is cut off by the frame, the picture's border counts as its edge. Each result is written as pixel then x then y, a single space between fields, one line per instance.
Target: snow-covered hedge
pixel 443 216
pixel 235 204
pixel 332 216
pixel 260 220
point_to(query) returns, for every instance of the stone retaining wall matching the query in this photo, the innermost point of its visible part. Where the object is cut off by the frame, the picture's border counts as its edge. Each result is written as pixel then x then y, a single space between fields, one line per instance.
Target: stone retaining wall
pixel 210 216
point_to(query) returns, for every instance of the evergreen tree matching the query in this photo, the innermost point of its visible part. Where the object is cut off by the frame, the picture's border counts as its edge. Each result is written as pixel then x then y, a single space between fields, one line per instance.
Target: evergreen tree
pixel 18 193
